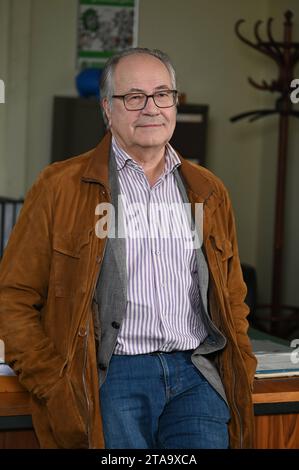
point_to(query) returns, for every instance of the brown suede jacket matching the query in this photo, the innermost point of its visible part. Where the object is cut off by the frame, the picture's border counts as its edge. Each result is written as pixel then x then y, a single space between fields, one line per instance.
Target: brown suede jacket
pixel 47 281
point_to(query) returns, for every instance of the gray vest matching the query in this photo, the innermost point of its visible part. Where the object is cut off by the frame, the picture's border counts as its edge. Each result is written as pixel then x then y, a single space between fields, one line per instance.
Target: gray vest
pixel 111 295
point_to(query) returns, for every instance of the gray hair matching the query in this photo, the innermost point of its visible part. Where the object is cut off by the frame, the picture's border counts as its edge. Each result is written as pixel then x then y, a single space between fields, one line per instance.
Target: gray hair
pixel 106 84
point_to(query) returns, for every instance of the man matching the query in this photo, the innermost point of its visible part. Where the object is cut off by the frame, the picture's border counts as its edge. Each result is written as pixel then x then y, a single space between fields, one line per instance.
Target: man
pixel 129 342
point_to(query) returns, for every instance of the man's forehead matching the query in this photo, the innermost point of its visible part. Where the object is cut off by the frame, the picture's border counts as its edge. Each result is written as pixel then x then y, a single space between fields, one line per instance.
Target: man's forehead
pixel 137 69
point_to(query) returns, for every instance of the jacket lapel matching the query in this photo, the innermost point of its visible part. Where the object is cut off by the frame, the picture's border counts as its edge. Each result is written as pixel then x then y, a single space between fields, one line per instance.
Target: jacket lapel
pixel 200 190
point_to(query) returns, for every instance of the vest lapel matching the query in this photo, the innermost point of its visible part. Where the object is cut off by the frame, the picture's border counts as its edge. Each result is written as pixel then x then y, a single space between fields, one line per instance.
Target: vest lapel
pixel 118 245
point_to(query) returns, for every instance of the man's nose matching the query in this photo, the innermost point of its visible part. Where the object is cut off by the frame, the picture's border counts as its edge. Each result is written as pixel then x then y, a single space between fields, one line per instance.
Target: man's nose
pixel 151 106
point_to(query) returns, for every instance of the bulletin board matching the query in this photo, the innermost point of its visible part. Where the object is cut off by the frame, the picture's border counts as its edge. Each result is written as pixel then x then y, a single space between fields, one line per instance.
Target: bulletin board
pixel 104 28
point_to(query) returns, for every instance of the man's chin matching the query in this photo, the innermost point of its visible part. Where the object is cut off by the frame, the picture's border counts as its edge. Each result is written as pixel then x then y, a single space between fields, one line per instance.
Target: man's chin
pixel 152 141
pixel 154 135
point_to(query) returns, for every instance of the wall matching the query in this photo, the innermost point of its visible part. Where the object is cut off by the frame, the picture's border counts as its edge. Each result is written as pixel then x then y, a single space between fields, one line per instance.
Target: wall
pixel 4 21
pixel 212 68
pixel 17 82
pixel 52 72
pixel 37 59
pixel 268 174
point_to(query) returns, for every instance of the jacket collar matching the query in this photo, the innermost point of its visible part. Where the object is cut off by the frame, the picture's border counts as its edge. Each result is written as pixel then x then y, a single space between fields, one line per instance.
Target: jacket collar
pixel 97 169
pixel 195 182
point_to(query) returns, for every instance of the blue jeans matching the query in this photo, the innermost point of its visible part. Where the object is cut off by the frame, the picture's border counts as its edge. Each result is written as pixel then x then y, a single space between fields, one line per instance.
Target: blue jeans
pixel 161 401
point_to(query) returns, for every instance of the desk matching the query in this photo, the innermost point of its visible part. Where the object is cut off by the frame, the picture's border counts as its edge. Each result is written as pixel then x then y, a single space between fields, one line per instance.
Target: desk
pixel 16 431
pixel 276 407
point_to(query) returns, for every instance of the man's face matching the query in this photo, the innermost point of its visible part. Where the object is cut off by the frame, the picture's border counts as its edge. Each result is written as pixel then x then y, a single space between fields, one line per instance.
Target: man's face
pixel 151 127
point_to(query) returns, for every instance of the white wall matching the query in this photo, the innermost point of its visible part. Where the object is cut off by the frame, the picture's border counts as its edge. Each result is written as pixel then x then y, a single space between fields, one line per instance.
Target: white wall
pixel 37 61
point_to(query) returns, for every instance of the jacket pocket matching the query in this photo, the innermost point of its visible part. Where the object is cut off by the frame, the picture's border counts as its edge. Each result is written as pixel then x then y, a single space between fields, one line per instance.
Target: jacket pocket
pixel 250 363
pixel 224 247
pixel 67 424
pixel 70 263
pixel 223 251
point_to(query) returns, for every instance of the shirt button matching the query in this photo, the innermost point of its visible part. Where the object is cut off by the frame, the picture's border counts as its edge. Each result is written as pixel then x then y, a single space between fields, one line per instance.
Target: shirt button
pixel 157 252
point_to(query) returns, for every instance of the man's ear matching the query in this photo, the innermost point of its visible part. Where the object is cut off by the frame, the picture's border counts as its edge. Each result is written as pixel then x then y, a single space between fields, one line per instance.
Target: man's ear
pixel 107 110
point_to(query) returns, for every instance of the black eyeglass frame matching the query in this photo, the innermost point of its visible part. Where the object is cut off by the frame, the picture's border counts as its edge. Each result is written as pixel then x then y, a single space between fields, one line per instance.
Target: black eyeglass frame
pixel 174 92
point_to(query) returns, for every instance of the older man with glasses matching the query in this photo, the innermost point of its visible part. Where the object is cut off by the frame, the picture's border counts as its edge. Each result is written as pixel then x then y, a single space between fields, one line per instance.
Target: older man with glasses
pixel 130 340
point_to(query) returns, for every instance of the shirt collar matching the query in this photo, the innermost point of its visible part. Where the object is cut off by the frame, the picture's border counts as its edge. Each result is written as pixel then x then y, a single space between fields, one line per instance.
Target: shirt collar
pixel 122 158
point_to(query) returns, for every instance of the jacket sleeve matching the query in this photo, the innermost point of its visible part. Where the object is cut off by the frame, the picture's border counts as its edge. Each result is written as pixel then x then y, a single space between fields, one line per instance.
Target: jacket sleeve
pixel 24 276
pixel 237 293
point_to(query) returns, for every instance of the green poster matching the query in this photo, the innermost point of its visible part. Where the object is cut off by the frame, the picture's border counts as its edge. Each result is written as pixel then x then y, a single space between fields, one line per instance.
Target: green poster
pixel 105 27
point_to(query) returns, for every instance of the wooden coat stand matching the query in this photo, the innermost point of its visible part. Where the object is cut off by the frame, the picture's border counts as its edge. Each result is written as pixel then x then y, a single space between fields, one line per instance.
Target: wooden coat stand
pixel 286 56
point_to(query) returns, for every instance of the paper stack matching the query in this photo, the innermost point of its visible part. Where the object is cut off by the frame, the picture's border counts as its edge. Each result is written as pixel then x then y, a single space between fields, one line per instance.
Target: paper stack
pixel 274 359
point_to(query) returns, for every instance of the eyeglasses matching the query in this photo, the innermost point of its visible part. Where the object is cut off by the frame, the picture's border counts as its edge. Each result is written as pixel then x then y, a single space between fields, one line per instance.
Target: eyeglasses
pixel 138 101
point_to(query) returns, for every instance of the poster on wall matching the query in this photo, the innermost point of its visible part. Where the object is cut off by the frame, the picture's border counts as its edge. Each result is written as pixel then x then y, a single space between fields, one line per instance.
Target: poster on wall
pixel 105 27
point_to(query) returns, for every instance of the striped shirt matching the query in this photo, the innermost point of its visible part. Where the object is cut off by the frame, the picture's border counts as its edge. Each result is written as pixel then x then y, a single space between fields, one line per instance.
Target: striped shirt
pixel 163 301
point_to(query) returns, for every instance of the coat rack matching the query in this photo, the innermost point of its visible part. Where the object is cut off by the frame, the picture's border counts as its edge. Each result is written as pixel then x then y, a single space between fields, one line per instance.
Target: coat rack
pixel 286 56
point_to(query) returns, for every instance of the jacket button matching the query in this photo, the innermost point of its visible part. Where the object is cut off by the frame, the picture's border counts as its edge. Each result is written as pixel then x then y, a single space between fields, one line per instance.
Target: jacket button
pixel 102 367
pixel 82 331
pixel 115 324
pixel 98 259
